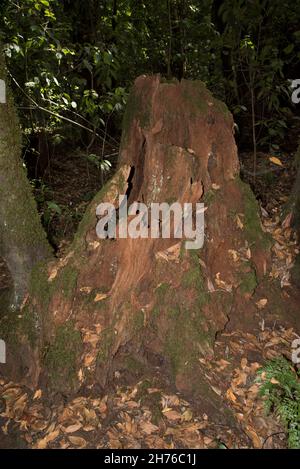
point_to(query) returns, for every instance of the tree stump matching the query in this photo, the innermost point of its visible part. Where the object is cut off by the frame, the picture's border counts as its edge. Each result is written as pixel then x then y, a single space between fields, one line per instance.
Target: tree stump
pixel 114 302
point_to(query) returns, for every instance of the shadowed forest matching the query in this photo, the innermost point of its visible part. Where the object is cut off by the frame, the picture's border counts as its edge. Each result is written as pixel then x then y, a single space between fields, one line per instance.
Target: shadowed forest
pixel 114 340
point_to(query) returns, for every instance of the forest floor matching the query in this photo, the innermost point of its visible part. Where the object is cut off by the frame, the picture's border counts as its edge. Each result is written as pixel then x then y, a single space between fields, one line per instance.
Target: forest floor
pixel 149 413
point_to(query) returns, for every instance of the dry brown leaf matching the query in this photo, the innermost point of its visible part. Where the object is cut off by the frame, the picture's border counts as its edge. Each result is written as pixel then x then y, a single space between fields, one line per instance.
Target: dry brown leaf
pixel 89 428
pixel 53 274
pixel 244 362
pixel 261 303
pixel 100 297
pixel 72 428
pixel 275 160
pixel 254 437
pixel 86 290
pixel 148 428
pixel 234 254
pixel 89 359
pixel 78 441
pixel 239 222
pixel 230 395
pixel 172 414
pixel 43 443
pixel 187 415
pixel 37 394
pixel 216 390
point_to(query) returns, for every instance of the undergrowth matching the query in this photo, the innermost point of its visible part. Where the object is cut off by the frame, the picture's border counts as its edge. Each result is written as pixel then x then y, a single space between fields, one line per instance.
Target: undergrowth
pixel 280 385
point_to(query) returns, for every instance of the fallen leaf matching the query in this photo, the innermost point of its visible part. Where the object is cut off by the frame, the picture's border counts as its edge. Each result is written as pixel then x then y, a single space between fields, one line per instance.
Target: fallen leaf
pixel 100 297
pixel 230 395
pixel 187 415
pixel 244 362
pixel 148 428
pixel 37 394
pixel 78 441
pixel 239 222
pixel 254 437
pixel 261 303
pixel 52 275
pixel 72 428
pixel 43 443
pixel 172 414
pixel 275 160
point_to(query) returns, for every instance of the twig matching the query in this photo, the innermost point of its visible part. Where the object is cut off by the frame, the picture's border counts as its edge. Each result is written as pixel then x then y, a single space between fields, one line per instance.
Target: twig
pixel 272 434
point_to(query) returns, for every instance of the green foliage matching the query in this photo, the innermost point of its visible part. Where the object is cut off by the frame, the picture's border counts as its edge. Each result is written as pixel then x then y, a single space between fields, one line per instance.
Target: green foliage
pixel 281 388
pixel 256 50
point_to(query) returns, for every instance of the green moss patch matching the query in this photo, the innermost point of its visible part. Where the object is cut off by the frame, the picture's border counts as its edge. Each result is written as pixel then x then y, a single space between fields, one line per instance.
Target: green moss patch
pixel 62 356
pixel 67 280
pixel 252 223
pixel 15 324
pixel 106 341
pixel 193 279
pixel 249 282
pixel 186 339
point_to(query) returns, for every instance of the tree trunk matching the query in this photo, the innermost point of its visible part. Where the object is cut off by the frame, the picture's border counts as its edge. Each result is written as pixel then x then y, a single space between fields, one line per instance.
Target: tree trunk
pixel 23 241
pixel 294 210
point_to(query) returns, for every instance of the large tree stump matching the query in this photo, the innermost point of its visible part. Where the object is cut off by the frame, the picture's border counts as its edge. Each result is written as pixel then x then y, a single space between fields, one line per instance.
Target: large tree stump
pixel 109 303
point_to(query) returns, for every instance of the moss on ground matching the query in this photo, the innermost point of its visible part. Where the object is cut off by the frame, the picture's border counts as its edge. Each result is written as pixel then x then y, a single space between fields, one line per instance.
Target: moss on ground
pixel 42 290
pixel 152 400
pixel 105 344
pixel 249 282
pixel 252 222
pixel 67 280
pixel 133 364
pixel 62 355
pixel 193 278
pixel 209 197
pixel 39 287
pixel 29 325
pixel 138 321
pixel 186 339
pixel 161 291
pixel 15 324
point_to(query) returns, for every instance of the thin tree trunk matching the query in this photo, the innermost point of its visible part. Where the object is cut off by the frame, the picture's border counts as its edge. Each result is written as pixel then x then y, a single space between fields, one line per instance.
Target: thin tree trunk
pixel 22 239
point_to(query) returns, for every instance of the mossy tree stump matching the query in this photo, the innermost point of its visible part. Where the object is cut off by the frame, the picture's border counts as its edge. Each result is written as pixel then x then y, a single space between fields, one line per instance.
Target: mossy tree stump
pixel 151 301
